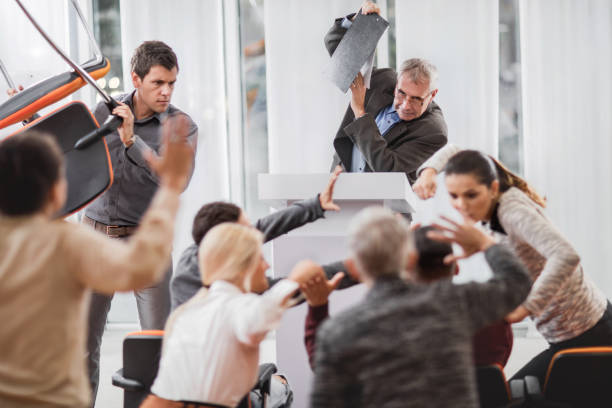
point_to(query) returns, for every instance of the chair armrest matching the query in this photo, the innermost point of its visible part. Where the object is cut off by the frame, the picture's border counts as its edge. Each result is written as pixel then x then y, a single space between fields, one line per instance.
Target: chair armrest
pixel 265 375
pixel 532 385
pixel 517 389
pixel 126 383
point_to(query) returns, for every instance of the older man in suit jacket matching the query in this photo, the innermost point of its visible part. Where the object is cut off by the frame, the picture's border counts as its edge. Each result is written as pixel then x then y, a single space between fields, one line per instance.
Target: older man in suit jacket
pixel 395 125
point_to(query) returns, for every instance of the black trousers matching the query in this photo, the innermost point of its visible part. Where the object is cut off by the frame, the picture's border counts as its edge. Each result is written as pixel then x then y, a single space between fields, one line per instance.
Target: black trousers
pixel 598 335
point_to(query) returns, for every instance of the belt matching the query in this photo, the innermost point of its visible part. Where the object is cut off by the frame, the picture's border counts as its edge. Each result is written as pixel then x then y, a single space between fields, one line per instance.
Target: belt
pixel 113 231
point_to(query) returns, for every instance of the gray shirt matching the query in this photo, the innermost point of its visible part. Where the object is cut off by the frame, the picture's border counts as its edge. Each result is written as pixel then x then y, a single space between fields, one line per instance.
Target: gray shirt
pixel 410 345
pixel 134 184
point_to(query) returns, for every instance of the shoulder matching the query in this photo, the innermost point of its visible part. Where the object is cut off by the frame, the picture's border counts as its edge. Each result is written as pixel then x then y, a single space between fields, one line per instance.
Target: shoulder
pixel 384 78
pixel 515 207
pixel 344 326
pixel 188 262
pixel 433 119
pixel 173 110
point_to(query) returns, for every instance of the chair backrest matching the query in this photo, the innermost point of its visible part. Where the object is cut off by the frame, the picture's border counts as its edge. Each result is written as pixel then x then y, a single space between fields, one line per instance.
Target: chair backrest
pixel 141 355
pixel 492 386
pixel 580 377
pixel 89 172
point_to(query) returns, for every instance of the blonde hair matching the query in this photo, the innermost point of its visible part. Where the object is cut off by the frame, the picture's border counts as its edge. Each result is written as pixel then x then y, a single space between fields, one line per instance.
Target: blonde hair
pixel 230 252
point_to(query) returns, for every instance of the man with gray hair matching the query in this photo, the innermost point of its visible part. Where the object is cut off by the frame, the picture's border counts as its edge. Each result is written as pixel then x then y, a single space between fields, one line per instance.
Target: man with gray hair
pixel 409 343
pixel 395 125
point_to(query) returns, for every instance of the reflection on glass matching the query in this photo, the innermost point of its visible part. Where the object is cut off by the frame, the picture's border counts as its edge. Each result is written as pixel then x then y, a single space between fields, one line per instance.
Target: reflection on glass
pixel 510 108
pixel 255 138
pixel 107 30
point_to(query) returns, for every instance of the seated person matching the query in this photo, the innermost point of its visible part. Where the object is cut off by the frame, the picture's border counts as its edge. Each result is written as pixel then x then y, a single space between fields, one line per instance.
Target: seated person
pixel 187 281
pixel 210 352
pixel 407 343
pixel 491 345
pixel 48 267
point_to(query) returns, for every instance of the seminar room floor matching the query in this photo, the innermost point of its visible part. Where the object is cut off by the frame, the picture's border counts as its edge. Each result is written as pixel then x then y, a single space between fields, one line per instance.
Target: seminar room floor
pixel 527 343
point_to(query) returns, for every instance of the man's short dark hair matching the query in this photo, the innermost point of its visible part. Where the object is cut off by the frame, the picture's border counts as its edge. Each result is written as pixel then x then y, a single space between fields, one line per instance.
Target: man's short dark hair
pixel 431 264
pixel 151 53
pixel 30 165
pixel 213 214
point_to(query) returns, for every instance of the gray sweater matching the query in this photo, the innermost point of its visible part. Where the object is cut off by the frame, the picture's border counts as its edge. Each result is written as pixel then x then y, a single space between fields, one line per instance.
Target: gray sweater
pixel 564 302
pixel 409 345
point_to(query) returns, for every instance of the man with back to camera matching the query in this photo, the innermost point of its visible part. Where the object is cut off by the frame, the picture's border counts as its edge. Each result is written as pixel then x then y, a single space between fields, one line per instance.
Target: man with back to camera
pixel 408 344
pixel 117 212
pixel 395 125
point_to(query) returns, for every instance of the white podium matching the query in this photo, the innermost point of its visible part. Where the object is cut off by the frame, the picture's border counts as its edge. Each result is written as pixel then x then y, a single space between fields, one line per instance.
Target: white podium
pixel 323 241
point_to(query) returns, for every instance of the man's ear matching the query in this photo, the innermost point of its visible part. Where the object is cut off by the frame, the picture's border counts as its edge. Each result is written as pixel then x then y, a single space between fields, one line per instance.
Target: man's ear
pixel 351 269
pixel 434 93
pixel 136 81
pixel 57 196
pixel 413 258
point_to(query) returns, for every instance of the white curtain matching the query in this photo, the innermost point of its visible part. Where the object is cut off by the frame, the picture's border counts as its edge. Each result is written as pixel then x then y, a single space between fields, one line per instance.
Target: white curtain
pixel 194 30
pixel 461 38
pixel 304 108
pixel 567 100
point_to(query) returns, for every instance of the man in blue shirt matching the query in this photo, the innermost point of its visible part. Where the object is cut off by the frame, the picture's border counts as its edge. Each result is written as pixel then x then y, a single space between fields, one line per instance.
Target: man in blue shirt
pixel 395 125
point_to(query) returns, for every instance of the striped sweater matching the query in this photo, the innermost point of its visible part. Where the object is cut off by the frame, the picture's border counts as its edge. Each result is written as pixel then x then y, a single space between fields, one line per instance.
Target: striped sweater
pixel 563 302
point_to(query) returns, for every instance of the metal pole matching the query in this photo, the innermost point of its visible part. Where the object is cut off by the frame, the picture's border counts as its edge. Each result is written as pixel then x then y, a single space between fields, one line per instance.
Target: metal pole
pixel 84 74
pixel 6 75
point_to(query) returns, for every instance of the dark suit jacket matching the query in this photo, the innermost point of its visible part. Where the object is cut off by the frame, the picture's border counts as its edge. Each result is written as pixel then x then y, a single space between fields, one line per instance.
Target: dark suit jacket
pixel 405 146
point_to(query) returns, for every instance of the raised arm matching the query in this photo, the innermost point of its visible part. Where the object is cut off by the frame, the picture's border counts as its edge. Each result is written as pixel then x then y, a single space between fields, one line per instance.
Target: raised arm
pixel 523 222
pixel 300 213
pixel 255 315
pixel 341 25
pixel 492 300
pixel 426 183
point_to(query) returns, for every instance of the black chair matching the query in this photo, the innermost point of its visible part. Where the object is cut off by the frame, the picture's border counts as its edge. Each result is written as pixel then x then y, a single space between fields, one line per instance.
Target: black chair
pixel 579 377
pixel 493 389
pixel 141 355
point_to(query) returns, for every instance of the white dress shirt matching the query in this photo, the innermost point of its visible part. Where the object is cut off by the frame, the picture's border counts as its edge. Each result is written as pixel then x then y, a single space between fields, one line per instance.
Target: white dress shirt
pixel 211 353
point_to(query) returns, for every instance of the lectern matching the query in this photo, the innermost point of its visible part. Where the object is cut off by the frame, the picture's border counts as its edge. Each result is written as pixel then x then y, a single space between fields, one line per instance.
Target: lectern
pixel 323 241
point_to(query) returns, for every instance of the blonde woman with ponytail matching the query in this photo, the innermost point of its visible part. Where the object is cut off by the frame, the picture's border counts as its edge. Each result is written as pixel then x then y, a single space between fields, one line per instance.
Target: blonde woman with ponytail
pixel 210 353
pixel 567 308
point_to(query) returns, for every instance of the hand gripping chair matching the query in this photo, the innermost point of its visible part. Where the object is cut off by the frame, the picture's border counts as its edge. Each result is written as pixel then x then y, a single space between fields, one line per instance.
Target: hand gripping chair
pixel 493 389
pixel 578 377
pixel 141 355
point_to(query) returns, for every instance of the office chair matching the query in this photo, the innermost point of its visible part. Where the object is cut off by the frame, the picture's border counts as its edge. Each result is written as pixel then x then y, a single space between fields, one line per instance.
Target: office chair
pixel 141 355
pixel 578 377
pixel 493 389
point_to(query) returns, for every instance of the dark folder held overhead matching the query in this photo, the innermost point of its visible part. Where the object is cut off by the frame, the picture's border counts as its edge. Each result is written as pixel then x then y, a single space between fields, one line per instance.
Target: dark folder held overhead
pixel 357 45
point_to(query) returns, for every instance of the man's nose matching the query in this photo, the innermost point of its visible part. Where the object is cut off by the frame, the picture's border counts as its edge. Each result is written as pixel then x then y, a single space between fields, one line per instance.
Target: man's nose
pixel 166 90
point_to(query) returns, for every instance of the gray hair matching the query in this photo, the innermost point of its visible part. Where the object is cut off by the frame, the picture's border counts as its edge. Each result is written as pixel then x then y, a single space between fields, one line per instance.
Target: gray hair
pixel 379 242
pixel 420 71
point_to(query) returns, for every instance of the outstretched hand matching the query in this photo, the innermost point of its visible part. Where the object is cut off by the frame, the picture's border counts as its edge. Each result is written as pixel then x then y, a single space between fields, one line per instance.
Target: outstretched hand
pixel 12 91
pixel 466 235
pixel 175 162
pixel 369 8
pixel 317 289
pixel 518 314
pixel 358 91
pixel 425 186
pixel 326 198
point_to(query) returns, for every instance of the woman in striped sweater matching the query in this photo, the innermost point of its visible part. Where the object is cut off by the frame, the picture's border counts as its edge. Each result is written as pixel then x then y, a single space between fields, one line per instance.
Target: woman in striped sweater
pixel 567 308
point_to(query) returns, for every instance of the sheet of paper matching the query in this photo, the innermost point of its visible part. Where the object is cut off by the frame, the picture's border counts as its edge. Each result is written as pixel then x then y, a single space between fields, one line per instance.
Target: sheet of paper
pixel 356 48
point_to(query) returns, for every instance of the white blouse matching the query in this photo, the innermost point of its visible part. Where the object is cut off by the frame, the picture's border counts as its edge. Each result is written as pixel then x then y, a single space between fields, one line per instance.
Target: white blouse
pixel 211 354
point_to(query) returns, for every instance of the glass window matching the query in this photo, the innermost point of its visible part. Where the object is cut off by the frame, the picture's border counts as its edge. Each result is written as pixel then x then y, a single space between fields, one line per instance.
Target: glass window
pixel 510 109
pixel 107 30
pixel 255 129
